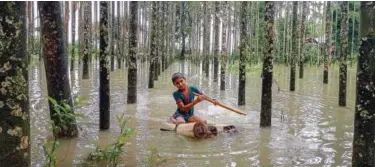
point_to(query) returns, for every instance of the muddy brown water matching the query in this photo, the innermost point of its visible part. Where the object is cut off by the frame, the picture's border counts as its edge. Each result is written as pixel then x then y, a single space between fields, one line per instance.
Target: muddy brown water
pixel 308 126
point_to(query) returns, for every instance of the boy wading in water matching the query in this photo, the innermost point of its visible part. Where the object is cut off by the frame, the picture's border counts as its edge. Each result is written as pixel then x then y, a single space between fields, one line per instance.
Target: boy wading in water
pixel 185 101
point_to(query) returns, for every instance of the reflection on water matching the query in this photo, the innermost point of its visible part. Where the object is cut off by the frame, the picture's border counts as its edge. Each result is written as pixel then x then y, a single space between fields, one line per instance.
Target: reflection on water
pixel 308 127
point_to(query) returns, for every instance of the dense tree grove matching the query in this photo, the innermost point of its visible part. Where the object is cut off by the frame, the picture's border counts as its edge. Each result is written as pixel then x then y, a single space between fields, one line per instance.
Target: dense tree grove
pixel 220 39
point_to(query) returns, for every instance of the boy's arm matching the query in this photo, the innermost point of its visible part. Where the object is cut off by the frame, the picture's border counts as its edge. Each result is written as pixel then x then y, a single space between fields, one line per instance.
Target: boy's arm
pixel 190 105
pixel 196 90
pixel 181 105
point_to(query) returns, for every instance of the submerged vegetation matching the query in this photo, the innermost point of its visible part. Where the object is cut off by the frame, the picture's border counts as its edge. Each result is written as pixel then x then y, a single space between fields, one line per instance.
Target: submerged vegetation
pixel 110 153
pixel 246 38
pixel 65 118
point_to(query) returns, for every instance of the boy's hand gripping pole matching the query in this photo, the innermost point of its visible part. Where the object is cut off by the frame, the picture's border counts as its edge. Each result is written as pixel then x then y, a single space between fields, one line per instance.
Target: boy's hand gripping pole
pixel 220 104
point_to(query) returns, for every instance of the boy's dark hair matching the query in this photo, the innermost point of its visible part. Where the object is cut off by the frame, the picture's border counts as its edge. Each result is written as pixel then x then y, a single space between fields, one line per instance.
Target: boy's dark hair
pixel 176 76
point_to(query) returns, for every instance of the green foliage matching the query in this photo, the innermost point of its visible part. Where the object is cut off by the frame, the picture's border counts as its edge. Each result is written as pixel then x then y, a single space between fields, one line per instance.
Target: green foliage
pixel 65 118
pixel 51 153
pixel 111 153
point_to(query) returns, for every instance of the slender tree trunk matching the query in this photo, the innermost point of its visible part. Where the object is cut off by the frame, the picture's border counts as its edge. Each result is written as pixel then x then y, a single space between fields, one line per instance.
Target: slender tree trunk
pixel 294 45
pixel 132 70
pixel 159 51
pixel 119 58
pixel 14 116
pixel 182 28
pixel 95 31
pixel 287 43
pixel 236 28
pixel 153 44
pixel 267 70
pixel 216 41
pixel 126 36
pixel 80 23
pixel 224 44
pixel 302 39
pixel 104 83
pixel 344 53
pixel 337 35
pixel 55 60
pixel 328 51
pixel 243 51
pixel 166 34
pixel 162 37
pixel 229 29
pixel 285 61
pixel 31 28
pixel 353 33
pixel 364 124
pixel 206 39
pixel 87 52
pixel 122 36
pixel 81 32
pixel 173 31
pixel 112 39
pixel 73 27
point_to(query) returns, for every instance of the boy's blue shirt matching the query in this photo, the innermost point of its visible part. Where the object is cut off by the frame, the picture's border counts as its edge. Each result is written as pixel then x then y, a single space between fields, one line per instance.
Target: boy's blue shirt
pixel 179 96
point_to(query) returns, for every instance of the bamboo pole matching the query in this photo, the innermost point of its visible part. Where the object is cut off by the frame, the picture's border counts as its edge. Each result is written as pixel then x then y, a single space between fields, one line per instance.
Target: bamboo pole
pixel 220 104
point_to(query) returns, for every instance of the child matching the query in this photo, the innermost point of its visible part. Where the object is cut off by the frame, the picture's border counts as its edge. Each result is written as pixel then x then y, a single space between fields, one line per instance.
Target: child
pixel 185 101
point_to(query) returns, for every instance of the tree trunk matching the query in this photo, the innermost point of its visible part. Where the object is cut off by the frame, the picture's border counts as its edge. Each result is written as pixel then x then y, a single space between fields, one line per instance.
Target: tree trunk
pixel 104 86
pixel 224 44
pixel 163 27
pixel 206 34
pixel 95 32
pixel 287 35
pixel 31 28
pixel 344 53
pixel 87 52
pixel 182 28
pixel 119 56
pixel 112 36
pixel 216 41
pixel 55 61
pixel 66 23
pixel 337 35
pixel 79 32
pixel 165 34
pixel 267 70
pixel 132 70
pixel 126 36
pixel 302 39
pixel 153 45
pixel 243 51
pixel 294 45
pixel 158 46
pixel 14 96
pixel 364 125
pixel 328 25
pixel 73 34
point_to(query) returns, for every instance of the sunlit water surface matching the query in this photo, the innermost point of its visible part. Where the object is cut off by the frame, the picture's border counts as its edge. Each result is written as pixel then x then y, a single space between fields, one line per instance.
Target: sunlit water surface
pixel 308 127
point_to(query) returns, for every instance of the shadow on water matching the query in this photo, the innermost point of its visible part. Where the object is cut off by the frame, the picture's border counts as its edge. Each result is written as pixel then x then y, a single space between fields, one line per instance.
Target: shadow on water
pixel 308 127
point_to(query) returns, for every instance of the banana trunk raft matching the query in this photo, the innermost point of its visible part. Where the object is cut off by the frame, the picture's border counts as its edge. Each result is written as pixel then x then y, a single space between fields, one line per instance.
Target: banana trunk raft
pixel 199 130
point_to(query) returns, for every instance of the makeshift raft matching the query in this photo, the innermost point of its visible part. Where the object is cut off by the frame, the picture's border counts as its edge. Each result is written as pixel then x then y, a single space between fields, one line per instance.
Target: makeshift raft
pixel 199 130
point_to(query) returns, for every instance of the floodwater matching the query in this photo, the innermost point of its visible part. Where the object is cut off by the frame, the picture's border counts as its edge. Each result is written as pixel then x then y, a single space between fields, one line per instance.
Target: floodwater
pixel 308 126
